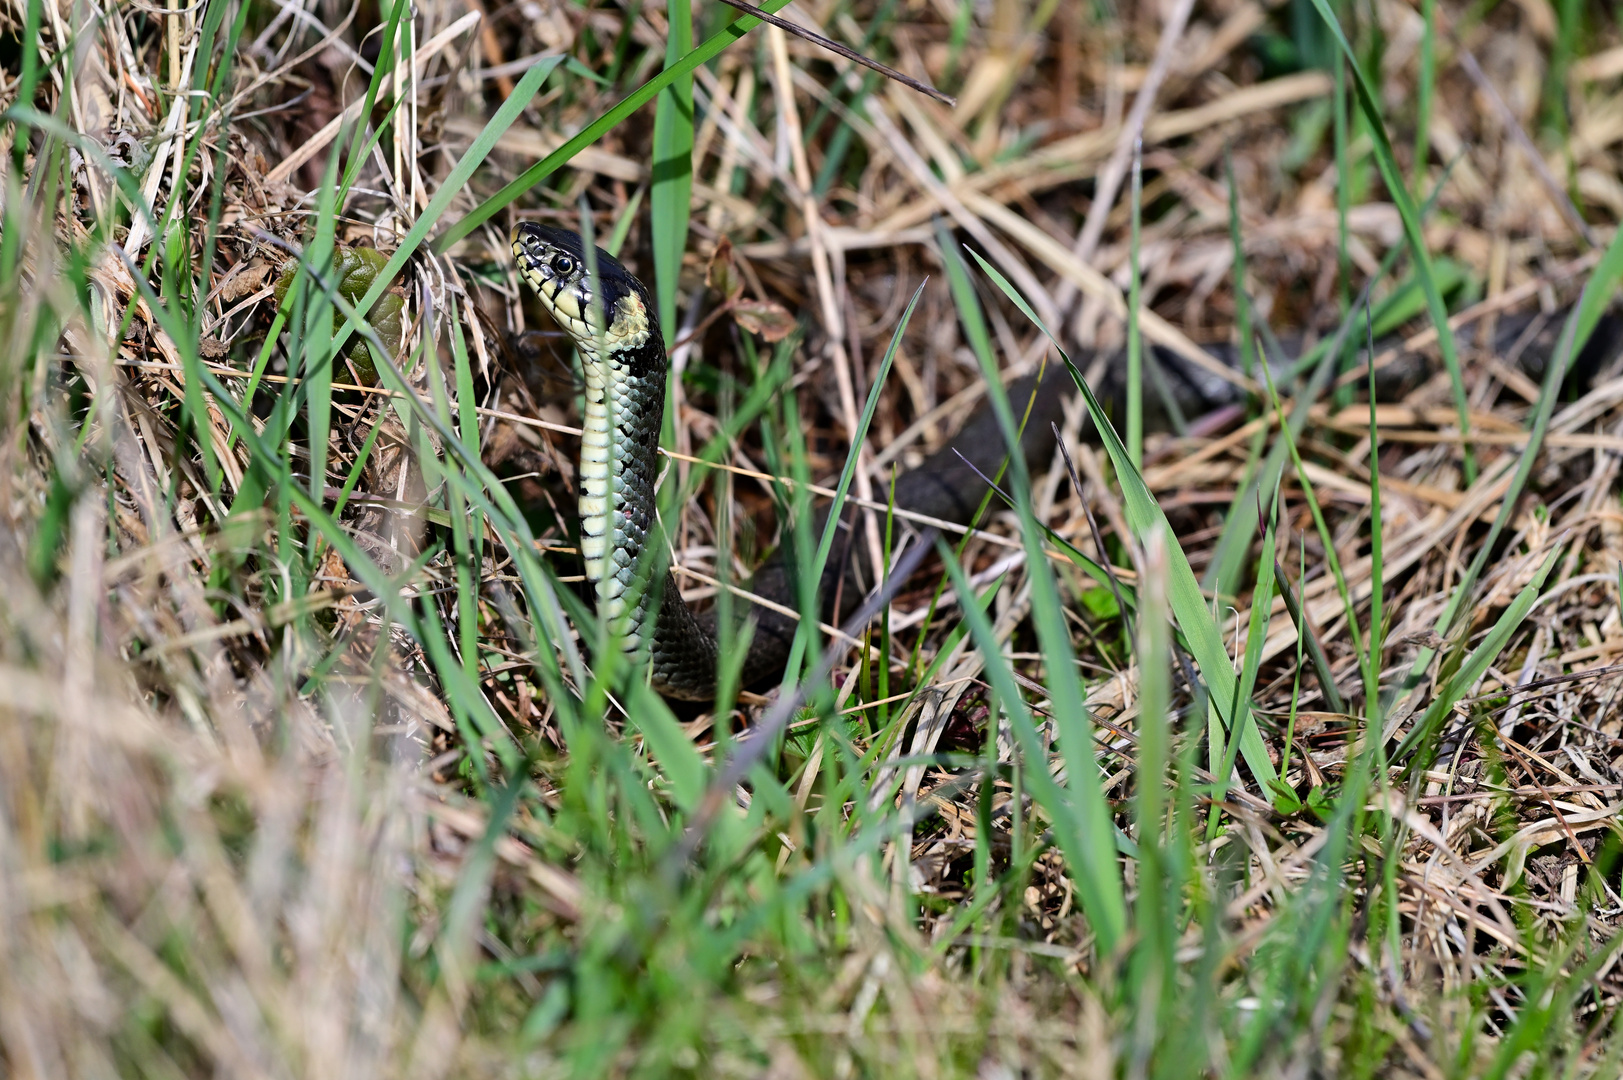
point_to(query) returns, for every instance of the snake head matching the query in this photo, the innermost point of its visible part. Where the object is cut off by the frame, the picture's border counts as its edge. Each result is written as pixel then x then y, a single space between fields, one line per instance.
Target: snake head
pixel 553 261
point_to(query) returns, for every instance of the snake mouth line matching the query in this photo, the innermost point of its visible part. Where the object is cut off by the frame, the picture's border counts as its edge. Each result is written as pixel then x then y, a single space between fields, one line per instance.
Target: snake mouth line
pixel 552 261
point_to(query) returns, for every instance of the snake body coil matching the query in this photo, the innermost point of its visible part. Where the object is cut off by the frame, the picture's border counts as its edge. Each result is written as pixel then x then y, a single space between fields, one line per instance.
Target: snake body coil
pixel 624 363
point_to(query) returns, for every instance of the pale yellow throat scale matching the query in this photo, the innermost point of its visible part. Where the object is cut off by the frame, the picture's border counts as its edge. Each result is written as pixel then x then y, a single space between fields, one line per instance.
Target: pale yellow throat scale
pixel 614 522
pixel 597 468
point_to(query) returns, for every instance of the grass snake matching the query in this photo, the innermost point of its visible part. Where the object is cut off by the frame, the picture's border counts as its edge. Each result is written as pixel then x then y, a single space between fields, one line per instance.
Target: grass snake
pixel 625 367
pixel 624 362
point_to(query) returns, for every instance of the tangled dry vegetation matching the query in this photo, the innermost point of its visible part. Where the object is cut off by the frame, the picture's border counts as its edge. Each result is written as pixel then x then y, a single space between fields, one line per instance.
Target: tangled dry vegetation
pixel 293 778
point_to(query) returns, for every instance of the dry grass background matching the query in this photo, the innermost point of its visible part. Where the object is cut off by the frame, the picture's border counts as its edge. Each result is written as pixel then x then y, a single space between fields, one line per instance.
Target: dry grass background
pixel 260 816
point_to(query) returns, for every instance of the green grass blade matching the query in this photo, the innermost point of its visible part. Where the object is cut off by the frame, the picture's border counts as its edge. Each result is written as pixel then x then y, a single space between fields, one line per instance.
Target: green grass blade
pixel 1104 902
pixel 451 188
pixel 1386 161
pixel 317 362
pixel 1315 650
pixel 813 572
pixel 622 224
pixel 683 767
pixel 1144 516
pixel 1581 321
pixel 1476 665
pixel 360 144
pixel 1262 602
pixel 1242 291
pixel 1154 965
pixel 1234 543
pixel 670 196
pixel 1093 818
pixel 1377 578
pixel 1239 525
pixel 1092 867
pixel 709 50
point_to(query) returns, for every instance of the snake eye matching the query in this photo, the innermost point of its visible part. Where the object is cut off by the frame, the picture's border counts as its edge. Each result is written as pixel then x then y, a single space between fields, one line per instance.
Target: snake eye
pixel 563 265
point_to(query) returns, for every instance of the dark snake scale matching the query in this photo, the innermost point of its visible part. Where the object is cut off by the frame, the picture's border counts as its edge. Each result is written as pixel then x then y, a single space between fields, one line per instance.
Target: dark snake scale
pixel 625 367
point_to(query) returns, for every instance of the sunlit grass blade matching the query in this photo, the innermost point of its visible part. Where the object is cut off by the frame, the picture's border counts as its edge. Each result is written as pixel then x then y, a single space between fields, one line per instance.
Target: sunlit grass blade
pixel 1091 866
pixel 1225 573
pixel 451 187
pixel 1234 543
pixel 1580 324
pixel 1262 602
pixel 360 144
pixel 1106 906
pixel 1157 911
pixel 670 745
pixel 707 51
pixel 1386 161
pixel 1315 649
pixel 1144 516
pixel 668 198
pixel 1476 664
pixel 1377 571
pixel 317 361
pixel 812 571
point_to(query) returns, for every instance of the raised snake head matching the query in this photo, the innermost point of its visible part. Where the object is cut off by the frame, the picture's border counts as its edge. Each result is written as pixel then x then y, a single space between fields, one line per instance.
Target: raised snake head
pixel 554 262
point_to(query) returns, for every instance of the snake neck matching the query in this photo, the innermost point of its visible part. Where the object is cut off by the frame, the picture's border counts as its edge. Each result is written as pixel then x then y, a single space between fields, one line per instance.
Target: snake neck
pixel 619 466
